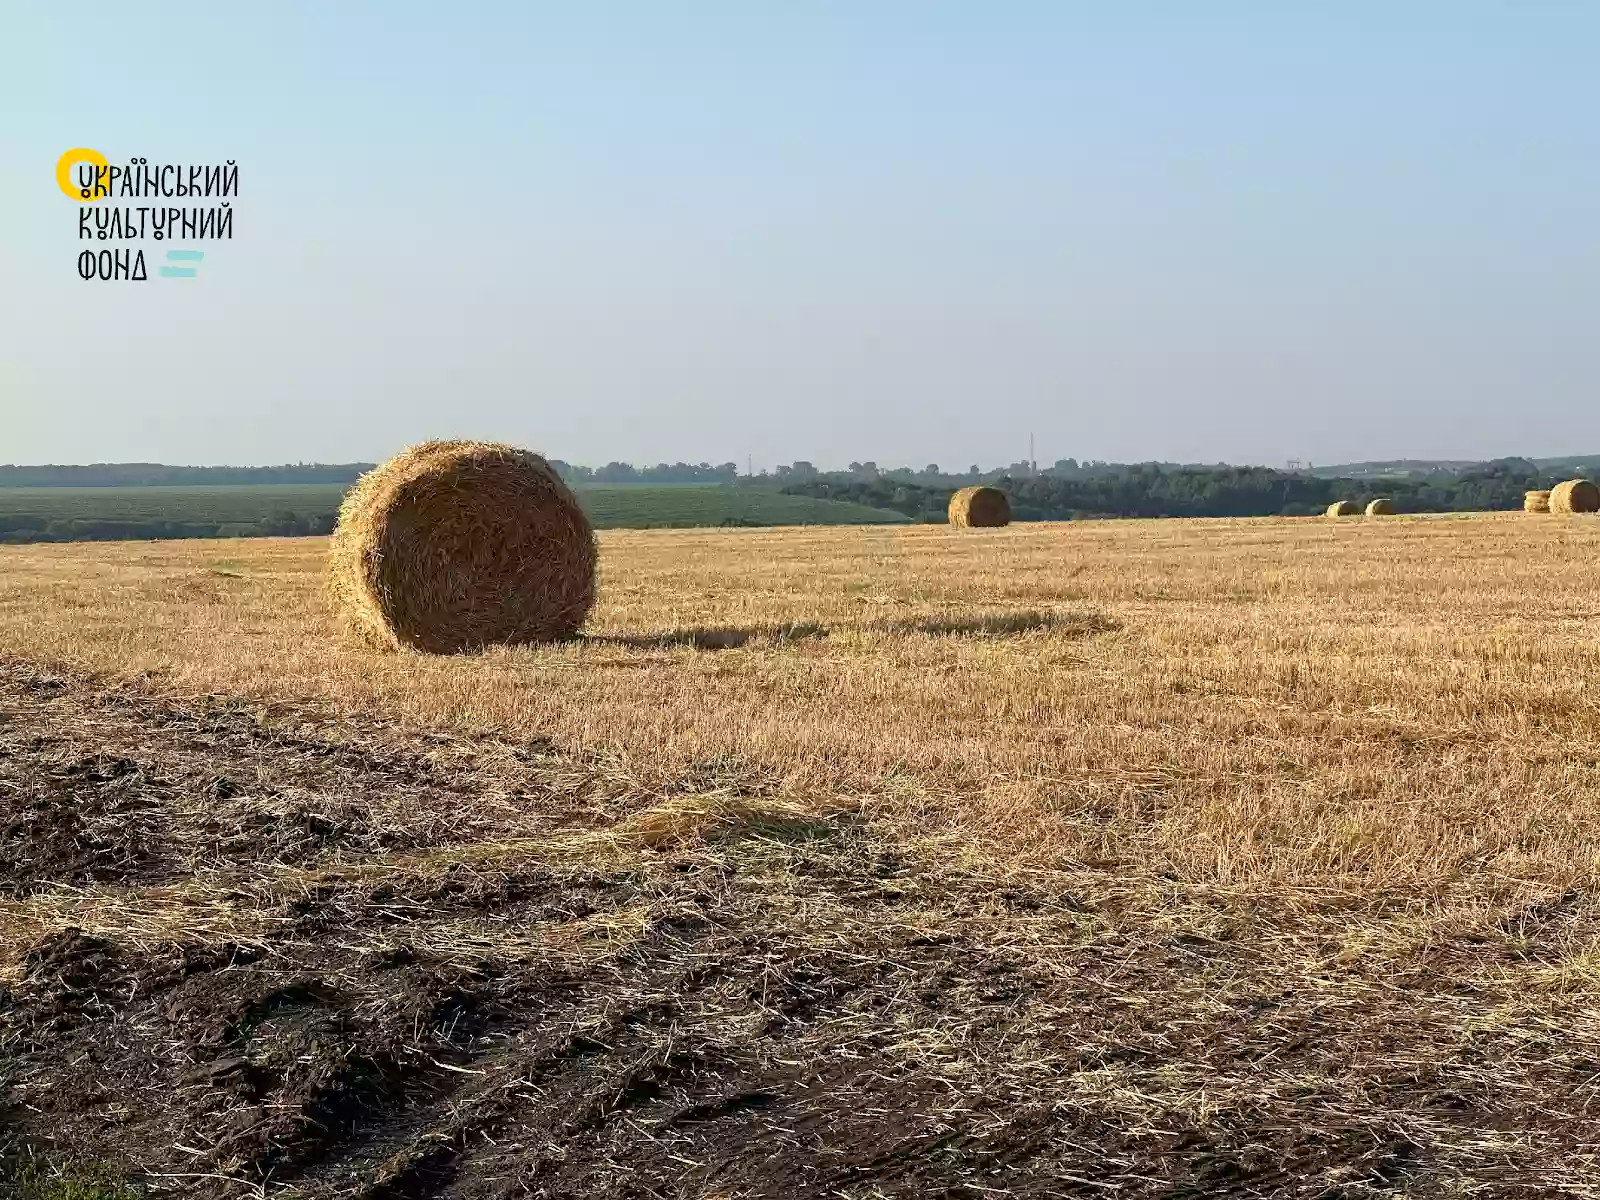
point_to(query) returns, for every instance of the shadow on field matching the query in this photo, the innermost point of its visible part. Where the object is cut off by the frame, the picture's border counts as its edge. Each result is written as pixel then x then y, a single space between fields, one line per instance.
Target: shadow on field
pixel 994 625
pixel 985 625
pixel 704 637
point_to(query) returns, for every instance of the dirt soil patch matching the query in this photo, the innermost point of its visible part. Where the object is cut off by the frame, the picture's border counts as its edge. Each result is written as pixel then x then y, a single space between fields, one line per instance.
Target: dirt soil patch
pixel 249 952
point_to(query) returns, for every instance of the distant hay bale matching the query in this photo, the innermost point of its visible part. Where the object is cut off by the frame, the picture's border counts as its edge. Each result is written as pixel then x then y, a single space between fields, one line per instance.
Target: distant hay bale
pixel 453 546
pixel 1575 496
pixel 1343 508
pixel 1380 507
pixel 979 508
pixel 1536 502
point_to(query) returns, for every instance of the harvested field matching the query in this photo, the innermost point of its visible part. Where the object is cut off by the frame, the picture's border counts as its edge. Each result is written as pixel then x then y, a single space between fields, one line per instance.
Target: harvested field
pixel 1147 859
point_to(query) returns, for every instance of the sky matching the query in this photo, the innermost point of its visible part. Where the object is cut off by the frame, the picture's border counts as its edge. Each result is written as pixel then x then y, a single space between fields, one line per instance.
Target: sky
pixel 910 231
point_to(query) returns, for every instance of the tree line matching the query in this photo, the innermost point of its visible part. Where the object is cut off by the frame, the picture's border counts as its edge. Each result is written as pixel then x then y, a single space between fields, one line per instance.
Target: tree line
pixel 161 475
pixel 1089 490
pixel 24 527
pixel 1156 490
pixel 621 472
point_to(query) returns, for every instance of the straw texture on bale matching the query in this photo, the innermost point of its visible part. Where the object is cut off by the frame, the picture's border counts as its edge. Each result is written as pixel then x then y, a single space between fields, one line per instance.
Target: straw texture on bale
pixel 979 508
pixel 1343 508
pixel 1575 496
pixel 1536 502
pixel 454 546
pixel 1382 506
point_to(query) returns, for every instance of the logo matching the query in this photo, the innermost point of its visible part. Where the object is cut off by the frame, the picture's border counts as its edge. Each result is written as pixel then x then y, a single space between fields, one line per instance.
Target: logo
pixel 156 211
pixel 64 165
pixel 182 256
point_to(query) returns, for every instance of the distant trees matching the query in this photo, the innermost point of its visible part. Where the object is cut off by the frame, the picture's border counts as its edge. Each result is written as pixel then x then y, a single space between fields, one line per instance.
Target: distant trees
pixel 621 472
pixel 30 528
pixel 1066 490
pixel 155 474
pixel 1154 490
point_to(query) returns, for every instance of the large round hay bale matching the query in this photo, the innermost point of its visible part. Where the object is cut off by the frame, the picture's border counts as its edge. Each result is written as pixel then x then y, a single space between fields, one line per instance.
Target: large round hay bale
pixel 1381 506
pixel 1343 508
pixel 454 546
pixel 979 508
pixel 1538 501
pixel 1575 496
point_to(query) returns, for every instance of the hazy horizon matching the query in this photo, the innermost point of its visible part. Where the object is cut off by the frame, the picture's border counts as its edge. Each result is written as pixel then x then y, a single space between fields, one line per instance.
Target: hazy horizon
pixel 900 232
pixel 951 467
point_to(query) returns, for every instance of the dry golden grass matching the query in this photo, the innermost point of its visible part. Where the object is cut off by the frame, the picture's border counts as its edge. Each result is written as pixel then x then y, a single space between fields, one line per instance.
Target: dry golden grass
pixel 1254 851
pixel 1238 702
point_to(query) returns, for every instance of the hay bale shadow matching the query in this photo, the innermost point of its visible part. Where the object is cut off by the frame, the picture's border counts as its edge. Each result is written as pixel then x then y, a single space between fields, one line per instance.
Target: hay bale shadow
pixel 718 637
pixel 999 625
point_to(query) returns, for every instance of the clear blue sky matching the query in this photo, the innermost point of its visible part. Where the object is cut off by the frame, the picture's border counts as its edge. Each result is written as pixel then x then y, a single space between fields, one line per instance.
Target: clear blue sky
pixel 900 230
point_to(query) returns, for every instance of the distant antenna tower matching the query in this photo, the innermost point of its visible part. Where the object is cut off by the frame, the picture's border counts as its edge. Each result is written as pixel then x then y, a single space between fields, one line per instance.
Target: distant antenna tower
pixel 1033 463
